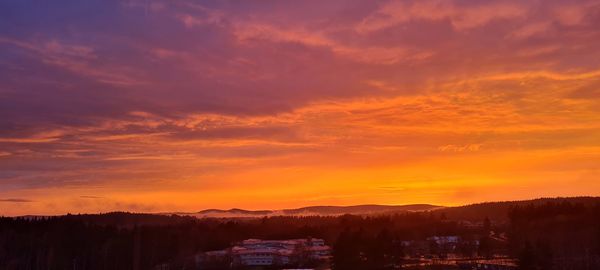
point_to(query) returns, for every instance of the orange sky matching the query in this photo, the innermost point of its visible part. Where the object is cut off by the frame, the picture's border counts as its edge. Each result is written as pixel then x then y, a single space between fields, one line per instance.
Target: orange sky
pixel 158 106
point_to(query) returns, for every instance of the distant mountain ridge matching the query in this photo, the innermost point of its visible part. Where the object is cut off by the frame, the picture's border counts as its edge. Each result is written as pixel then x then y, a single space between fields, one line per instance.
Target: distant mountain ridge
pixel 474 212
pixel 236 211
pixel 365 209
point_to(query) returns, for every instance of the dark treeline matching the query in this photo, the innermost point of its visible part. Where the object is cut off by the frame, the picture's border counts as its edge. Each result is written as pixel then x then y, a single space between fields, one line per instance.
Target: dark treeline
pixel 556 235
pixel 552 235
pixel 498 210
pixel 136 241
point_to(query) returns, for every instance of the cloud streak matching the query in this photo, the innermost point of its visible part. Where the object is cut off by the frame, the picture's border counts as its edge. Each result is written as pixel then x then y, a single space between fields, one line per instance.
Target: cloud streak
pixel 14 200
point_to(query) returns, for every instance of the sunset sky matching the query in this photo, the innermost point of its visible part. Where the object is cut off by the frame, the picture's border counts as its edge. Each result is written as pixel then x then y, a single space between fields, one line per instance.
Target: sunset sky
pixel 154 106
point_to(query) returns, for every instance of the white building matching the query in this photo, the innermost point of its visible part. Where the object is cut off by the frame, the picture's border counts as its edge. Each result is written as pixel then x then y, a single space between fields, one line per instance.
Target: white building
pixel 443 240
pixel 257 252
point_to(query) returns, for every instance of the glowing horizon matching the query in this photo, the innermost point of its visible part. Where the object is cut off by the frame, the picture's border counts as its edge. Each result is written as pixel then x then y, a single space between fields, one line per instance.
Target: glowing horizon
pixel 164 106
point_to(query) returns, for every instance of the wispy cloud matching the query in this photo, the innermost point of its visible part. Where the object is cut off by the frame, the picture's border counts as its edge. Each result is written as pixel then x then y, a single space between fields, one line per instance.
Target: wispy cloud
pixel 78 59
pixel 90 197
pixel 15 200
pixel 460 17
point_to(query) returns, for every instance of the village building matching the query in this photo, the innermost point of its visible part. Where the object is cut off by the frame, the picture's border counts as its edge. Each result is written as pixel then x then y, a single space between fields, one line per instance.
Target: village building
pixel 258 252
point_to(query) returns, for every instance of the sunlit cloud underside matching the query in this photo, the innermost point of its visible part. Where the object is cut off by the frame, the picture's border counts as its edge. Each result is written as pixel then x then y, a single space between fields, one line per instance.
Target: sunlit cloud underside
pixel 154 106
